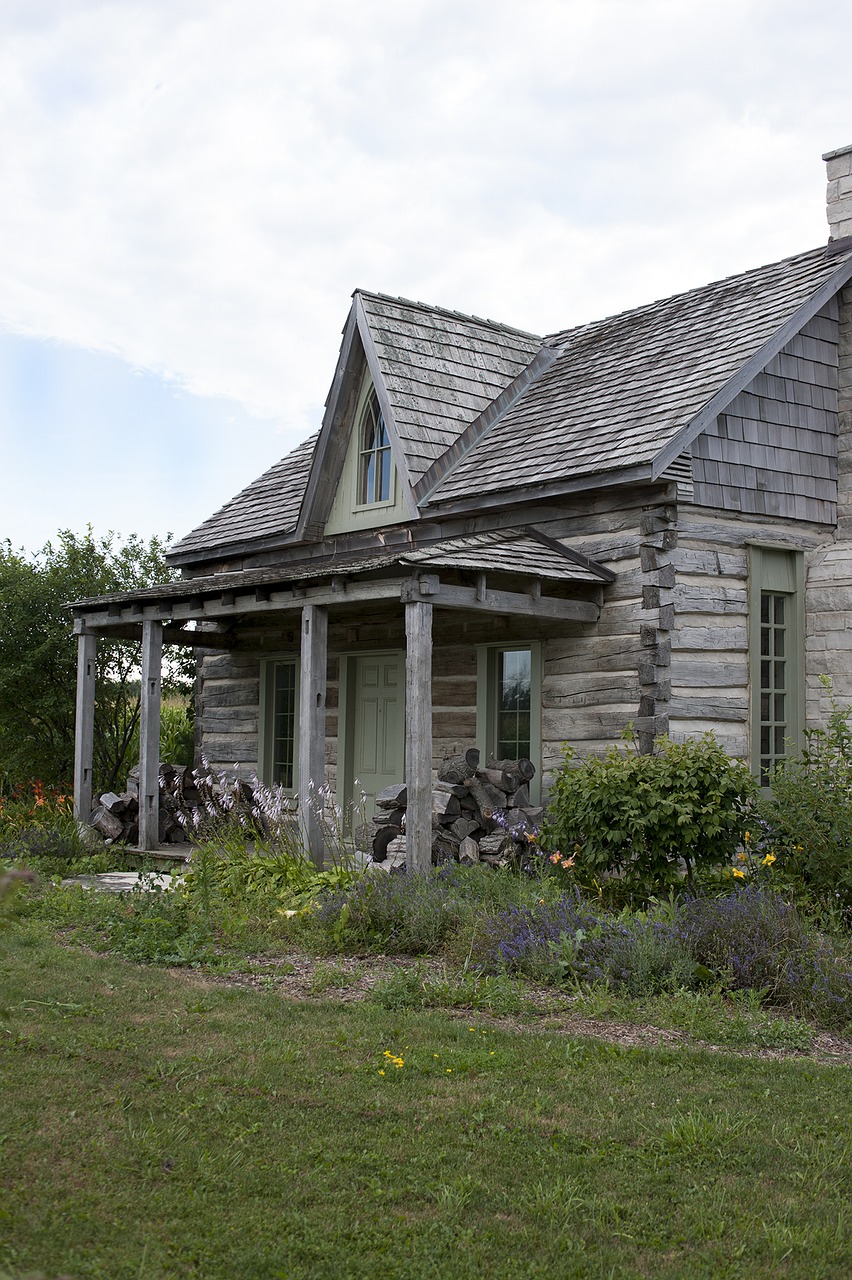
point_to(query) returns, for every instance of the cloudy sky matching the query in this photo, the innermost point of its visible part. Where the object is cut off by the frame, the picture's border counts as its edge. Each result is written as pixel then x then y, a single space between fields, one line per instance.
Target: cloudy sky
pixel 191 190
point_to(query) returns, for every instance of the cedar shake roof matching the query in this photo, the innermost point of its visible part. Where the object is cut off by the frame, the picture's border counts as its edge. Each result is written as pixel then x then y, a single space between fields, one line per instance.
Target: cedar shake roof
pixel 521 552
pixel 480 408
pixel 623 388
pixel 441 370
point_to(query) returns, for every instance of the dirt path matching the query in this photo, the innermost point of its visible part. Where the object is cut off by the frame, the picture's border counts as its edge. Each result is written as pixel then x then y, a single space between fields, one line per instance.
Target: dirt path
pixel 348 979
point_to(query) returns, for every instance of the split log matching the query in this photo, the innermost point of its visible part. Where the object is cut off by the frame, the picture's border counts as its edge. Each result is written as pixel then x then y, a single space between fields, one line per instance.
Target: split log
pixel 394 797
pixel 445 807
pixel 487 797
pixel 502 779
pixel 524 769
pixel 458 768
pixel 468 851
pixel 110 826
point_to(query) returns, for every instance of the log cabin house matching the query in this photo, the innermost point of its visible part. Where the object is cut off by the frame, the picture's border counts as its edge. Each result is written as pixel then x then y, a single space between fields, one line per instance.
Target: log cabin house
pixel 517 541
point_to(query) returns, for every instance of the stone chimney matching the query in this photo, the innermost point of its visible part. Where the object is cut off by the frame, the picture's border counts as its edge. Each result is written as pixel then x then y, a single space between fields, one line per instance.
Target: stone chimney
pixel 839 193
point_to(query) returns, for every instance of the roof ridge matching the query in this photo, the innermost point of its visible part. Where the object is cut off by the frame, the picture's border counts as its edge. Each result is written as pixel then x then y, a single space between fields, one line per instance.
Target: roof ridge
pixel 447 311
pixel 574 330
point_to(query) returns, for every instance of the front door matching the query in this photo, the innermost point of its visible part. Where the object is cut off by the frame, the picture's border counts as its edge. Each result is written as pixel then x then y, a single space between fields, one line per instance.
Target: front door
pixel 376 729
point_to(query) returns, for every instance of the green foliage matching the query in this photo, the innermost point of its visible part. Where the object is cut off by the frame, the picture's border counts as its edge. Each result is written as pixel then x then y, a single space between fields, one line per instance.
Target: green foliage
pixel 810 808
pixel 38 655
pixel 38 831
pixel 647 817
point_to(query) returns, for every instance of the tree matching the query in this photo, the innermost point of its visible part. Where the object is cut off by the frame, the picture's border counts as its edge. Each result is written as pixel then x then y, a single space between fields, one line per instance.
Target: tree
pixel 38 655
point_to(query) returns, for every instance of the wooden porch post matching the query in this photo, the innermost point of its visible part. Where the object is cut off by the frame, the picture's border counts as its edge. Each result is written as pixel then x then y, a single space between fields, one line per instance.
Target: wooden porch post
pixel 84 727
pixel 418 735
pixel 312 725
pixel 149 735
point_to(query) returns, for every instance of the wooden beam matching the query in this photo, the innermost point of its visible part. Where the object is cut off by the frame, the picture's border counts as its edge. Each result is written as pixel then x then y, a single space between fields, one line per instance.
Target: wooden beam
pixel 284 598
pixel 149 735
pixel 281 599
pixel 84 730
pixel 449 597
pixel 171 635
pixel 418 735
pixel 312 726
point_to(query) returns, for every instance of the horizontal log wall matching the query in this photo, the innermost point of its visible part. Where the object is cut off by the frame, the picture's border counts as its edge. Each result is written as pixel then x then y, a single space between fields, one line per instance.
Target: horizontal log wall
pixel 709 666
pixel 599 678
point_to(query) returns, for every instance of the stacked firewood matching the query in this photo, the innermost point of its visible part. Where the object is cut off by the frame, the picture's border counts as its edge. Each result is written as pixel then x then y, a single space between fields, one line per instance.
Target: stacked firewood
pixel 116 816
pixel 478 815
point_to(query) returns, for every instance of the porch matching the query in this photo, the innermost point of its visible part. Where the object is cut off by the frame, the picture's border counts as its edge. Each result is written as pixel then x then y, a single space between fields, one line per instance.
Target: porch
pixel 519 575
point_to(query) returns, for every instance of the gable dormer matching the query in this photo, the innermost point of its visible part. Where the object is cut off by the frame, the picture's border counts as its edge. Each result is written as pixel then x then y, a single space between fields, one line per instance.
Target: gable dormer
pixel 369 491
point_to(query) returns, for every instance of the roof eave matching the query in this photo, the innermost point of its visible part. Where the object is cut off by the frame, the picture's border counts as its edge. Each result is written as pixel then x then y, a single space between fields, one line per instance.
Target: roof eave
pixel 523 495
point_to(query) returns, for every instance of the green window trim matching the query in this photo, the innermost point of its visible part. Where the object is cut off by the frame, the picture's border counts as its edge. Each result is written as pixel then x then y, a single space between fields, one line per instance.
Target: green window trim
pixel 376 472
pixel 278 730
pixel 776 642
pixel 507 711
pixel 369 491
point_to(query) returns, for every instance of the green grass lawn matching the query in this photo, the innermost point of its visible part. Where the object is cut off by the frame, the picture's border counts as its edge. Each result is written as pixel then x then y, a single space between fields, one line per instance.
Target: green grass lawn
pixel 154 1125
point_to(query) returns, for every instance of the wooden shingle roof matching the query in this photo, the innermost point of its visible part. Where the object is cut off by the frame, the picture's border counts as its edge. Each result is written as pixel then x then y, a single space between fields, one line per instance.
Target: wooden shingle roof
pixel 480 408
pixel 622 389
pixel 440 369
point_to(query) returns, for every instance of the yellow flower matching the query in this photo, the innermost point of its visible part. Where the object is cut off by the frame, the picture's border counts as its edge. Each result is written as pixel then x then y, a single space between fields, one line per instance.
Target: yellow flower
pixel 768 860
pixel 739 874
pixel 381 1073
pixel 741 856
pixel 747 836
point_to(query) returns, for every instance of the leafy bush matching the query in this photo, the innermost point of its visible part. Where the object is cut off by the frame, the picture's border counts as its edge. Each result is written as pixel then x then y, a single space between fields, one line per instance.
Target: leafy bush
pixel 649 818
pixel 38 830
pixel 810 808
pixel 38 655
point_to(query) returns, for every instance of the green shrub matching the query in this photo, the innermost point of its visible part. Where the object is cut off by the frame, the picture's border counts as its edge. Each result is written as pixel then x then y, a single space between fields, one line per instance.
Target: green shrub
pixel 810 808
pixel 649 818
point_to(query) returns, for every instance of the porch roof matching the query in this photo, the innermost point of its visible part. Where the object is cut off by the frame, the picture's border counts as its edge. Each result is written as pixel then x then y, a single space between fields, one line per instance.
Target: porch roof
pixel 525 554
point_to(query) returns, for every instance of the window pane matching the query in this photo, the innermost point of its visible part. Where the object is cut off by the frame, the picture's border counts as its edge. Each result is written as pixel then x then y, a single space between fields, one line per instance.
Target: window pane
pixel 284 723
pixel 774 707
pixel 514 684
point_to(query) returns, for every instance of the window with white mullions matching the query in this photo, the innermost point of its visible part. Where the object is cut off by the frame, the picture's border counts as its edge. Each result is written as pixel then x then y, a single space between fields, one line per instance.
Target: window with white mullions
pixel 375 469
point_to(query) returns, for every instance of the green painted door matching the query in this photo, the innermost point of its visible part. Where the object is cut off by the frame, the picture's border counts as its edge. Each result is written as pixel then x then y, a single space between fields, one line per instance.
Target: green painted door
pixel 377 724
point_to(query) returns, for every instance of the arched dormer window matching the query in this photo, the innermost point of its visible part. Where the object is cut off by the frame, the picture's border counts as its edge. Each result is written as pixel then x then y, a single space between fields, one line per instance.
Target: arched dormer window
pixel 375 470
